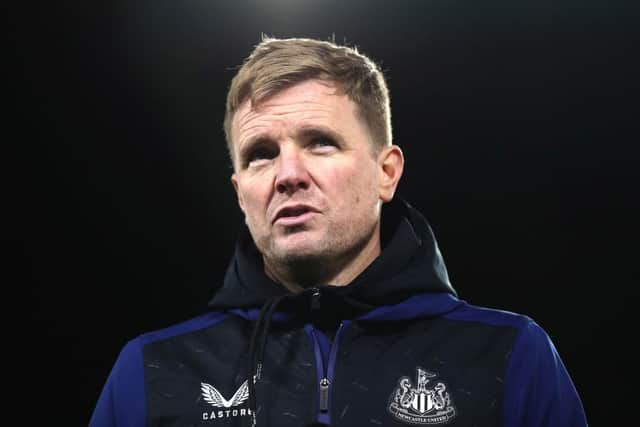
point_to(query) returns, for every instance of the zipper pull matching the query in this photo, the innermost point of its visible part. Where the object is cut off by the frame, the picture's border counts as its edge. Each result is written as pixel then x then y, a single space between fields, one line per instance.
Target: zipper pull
pixel 324 395
pixel 315 299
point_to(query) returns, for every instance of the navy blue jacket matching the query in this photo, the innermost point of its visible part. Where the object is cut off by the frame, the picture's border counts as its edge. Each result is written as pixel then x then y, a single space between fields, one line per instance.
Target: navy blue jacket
pixel 396 347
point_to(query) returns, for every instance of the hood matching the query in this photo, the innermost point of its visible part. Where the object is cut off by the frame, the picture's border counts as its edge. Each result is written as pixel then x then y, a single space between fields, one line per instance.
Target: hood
pixel 409 265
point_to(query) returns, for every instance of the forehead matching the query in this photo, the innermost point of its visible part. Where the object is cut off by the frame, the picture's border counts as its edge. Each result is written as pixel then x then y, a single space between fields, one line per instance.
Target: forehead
pixel 304 104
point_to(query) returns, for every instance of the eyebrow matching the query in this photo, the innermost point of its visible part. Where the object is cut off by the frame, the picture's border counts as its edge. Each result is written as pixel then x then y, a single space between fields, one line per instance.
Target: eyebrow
pixel 315 131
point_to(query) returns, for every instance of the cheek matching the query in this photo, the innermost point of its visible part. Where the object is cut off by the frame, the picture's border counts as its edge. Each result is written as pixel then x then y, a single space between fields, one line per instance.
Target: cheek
pixel 353 186
pixel 253 196
pixel 337 182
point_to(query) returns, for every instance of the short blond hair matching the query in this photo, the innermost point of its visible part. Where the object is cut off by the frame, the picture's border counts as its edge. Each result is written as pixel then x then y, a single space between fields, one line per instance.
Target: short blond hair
pixel 276 64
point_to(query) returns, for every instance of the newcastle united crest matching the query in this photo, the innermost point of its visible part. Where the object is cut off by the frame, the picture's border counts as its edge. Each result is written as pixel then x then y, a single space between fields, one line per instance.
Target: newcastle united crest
pixel 428 402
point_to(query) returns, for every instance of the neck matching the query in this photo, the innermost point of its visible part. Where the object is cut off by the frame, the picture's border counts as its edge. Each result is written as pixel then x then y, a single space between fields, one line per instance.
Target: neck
pixel 336 271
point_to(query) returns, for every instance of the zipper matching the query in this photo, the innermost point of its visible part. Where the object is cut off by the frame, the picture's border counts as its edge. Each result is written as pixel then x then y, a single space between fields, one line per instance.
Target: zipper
pixel 324 394
pixel 325 368
pixel 325 365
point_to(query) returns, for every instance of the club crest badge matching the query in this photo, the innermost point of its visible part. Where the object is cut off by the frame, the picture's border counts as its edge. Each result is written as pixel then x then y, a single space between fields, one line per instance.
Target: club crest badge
pixel 426 403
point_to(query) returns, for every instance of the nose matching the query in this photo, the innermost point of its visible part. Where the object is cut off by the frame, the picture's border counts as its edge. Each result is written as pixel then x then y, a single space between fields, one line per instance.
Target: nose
pixel 292 174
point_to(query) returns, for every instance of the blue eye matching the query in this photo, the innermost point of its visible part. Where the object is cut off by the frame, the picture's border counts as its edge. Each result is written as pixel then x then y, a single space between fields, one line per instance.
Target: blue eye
pixel 323 142
pixel 260 152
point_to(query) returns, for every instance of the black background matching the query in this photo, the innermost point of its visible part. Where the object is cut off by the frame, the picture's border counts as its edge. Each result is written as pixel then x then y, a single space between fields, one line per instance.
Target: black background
pixel 517 119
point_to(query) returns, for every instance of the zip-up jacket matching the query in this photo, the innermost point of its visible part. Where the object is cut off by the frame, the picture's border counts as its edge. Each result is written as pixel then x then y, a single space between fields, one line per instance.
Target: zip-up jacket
pixel 396 347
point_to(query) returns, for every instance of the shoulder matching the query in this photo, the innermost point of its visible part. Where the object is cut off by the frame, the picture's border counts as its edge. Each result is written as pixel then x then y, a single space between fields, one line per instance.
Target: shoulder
pixel 531 344
pixel 131 353
pixel 538 389
pixel 527 334
pixel 194 324
pixel 494 317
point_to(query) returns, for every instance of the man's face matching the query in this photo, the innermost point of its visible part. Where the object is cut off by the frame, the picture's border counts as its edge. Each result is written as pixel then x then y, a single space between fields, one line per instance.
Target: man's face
pixel 306 175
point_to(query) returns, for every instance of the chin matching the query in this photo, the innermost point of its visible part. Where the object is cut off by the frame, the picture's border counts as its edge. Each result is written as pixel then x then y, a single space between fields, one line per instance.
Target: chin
pixel 299 253
pixel 299 248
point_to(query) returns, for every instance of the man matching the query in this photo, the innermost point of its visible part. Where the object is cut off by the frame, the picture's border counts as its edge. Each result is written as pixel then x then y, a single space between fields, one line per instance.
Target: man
pixel 335 309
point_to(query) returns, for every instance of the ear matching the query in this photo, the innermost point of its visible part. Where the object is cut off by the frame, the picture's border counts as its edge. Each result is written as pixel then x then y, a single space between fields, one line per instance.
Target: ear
pixel 234 181
pixel 390 167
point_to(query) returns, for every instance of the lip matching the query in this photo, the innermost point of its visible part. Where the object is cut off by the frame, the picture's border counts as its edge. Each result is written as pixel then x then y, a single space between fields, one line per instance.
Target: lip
pixel 295 220
pixel 284 215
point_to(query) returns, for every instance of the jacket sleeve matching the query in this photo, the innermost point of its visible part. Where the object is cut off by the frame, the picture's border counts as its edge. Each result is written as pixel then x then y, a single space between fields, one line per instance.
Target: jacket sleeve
pixel 122 400
pixel 538 389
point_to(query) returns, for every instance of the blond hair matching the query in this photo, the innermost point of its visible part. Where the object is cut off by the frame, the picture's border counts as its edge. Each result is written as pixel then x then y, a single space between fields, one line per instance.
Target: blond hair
pixel 276 64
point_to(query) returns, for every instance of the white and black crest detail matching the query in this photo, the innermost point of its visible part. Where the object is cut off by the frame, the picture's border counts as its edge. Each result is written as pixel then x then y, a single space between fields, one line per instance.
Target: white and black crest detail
pixel 422 405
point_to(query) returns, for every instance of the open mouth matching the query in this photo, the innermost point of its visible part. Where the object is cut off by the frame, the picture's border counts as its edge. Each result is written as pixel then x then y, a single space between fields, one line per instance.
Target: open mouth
pixel 293 215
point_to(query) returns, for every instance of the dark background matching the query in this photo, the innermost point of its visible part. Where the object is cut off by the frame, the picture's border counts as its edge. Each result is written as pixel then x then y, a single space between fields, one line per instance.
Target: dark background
pixel 517 119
